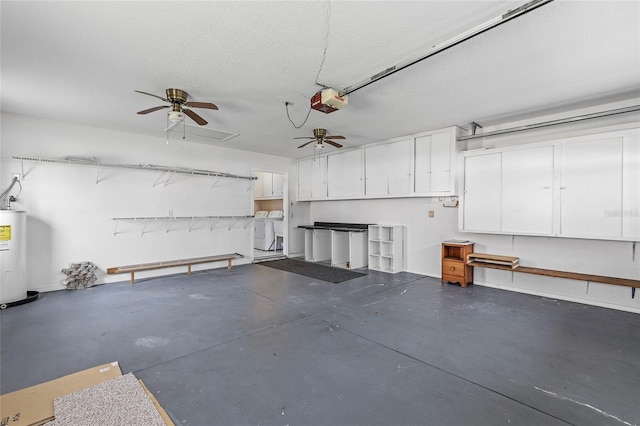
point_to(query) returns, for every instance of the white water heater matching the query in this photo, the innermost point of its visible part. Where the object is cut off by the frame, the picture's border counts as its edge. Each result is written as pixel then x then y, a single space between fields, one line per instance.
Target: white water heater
pixel 13 255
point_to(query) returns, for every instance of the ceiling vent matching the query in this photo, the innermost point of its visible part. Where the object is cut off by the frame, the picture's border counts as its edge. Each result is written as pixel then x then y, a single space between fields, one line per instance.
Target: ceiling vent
pixel 202 134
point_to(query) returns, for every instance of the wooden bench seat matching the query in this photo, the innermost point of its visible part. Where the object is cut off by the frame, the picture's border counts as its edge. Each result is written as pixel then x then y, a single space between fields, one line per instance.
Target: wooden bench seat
pixel 482 263
pixel 132 269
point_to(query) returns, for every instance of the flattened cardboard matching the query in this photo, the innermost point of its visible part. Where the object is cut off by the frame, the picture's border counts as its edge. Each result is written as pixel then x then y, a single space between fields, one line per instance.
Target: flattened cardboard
pixel 153 399
pixel 33 406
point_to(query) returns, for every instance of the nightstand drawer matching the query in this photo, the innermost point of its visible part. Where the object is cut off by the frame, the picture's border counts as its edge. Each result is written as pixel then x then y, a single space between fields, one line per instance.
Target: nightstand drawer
pixel 450 267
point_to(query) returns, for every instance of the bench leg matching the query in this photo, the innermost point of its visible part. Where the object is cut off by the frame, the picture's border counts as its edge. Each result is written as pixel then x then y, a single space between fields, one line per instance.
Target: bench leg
pixel 228 264
pixel 133 279
pixel 188 269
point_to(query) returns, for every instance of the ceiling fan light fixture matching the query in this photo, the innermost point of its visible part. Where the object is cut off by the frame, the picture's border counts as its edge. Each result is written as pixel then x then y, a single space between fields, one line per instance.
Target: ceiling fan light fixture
pixel 176 116
pixel 319 146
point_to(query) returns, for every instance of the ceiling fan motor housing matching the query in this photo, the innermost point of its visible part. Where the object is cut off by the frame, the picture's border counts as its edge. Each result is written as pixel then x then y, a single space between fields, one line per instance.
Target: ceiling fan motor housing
pixel 177 95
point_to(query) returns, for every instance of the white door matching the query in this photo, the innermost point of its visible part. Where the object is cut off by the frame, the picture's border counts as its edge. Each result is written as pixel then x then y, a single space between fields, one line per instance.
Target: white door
pixel 527 191
pixel 335 178
pixel 375 170
pixel 590 190
pixel 482 193
pixel 440 156
pixel 422 174
pixel 319 177
pixel 398 167
pixel 352 173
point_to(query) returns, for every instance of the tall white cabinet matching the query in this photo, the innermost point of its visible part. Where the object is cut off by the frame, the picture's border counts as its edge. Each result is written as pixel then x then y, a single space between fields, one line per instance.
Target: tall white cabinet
pixel 385 248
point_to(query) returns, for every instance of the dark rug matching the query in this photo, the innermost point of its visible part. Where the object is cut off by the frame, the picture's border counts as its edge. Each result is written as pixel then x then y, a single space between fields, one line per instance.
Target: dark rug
pixel 313 270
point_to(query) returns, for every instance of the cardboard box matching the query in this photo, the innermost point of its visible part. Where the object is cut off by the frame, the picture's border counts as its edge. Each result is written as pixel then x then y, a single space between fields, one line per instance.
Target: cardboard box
pixel 34 405
pixel 161 410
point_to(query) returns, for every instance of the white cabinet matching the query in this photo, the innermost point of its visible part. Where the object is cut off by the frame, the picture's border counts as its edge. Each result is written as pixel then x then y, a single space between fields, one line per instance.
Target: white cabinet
pixel 268 185
pixel 385 248
pixel 419 165
pixel 312 178
pixel 388 168
pixel 482 193
pixel 579 187
pixel 527 191
pixel 434 160
pixel 631 187
pixel 591 185
pixel 345 174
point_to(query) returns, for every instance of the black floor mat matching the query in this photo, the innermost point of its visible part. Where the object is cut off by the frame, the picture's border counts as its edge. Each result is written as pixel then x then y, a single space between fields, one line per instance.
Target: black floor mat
pixel 313 270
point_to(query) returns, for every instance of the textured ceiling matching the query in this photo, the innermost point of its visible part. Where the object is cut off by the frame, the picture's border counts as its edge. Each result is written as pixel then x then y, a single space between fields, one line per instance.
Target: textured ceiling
pixel 81 61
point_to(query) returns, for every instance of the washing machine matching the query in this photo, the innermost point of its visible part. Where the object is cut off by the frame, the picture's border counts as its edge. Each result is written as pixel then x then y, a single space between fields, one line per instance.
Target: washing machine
pixel 261 233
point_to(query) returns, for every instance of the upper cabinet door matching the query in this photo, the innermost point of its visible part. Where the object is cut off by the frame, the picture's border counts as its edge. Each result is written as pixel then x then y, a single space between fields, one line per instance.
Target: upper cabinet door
pixel 319 178
pixel 433 163
pixel 482 193
pixel 442 146
pixel 258 187
pixel 422 174
pixel 352 173
pixel 345 174
pixel 398 167
pixel 277 186
pixel 527 191
pixel 591 190
pixel 375 170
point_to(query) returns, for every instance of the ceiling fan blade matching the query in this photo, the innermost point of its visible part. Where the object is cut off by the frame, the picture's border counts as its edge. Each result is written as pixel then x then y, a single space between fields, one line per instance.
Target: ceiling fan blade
pixel 305 144
pixel 147 111
pixel 334 137
pixel 336 144
pixel 195 117
pixel 151 94
pixel 305 137
pixel 207 105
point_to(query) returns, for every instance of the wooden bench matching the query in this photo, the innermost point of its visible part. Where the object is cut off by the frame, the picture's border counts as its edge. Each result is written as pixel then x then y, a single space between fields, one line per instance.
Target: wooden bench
pixel 486 261
pixel 132 269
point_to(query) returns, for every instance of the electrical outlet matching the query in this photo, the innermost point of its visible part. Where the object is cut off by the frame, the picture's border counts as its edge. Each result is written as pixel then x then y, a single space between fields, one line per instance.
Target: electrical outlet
pixel 13 175
pixel 432 213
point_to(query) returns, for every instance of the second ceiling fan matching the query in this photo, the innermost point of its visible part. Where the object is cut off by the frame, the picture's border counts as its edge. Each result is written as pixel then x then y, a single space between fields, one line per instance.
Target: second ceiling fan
pixel 177 98
pixel 319 137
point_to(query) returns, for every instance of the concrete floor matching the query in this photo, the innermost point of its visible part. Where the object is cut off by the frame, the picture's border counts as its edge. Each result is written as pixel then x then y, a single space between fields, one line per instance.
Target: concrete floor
pixel 258 346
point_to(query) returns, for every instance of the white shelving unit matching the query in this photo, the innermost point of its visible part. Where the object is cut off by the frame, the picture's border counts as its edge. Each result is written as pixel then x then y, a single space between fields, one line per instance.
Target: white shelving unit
pixel 385 248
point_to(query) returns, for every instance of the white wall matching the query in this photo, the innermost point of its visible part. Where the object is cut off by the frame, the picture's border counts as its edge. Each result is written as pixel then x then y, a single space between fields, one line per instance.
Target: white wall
pixel 424 235
pixel 70 216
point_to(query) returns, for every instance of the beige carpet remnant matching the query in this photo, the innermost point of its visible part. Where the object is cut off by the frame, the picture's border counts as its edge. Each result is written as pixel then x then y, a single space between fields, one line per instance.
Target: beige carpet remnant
pixel 116 402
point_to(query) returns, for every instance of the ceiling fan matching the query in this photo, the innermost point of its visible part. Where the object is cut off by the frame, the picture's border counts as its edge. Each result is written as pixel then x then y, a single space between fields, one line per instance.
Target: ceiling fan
pixel 178 100
pixel 320 136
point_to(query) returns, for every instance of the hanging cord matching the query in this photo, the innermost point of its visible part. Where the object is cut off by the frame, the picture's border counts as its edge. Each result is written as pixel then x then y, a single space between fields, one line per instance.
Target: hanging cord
pixel 324 57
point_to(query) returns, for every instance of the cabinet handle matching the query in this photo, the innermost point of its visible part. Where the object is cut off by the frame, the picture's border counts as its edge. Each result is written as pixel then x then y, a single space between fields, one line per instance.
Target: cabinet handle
pixel 452 268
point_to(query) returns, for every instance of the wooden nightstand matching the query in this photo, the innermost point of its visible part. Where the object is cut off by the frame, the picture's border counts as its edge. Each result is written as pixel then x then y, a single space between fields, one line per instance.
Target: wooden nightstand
pixel 454 262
